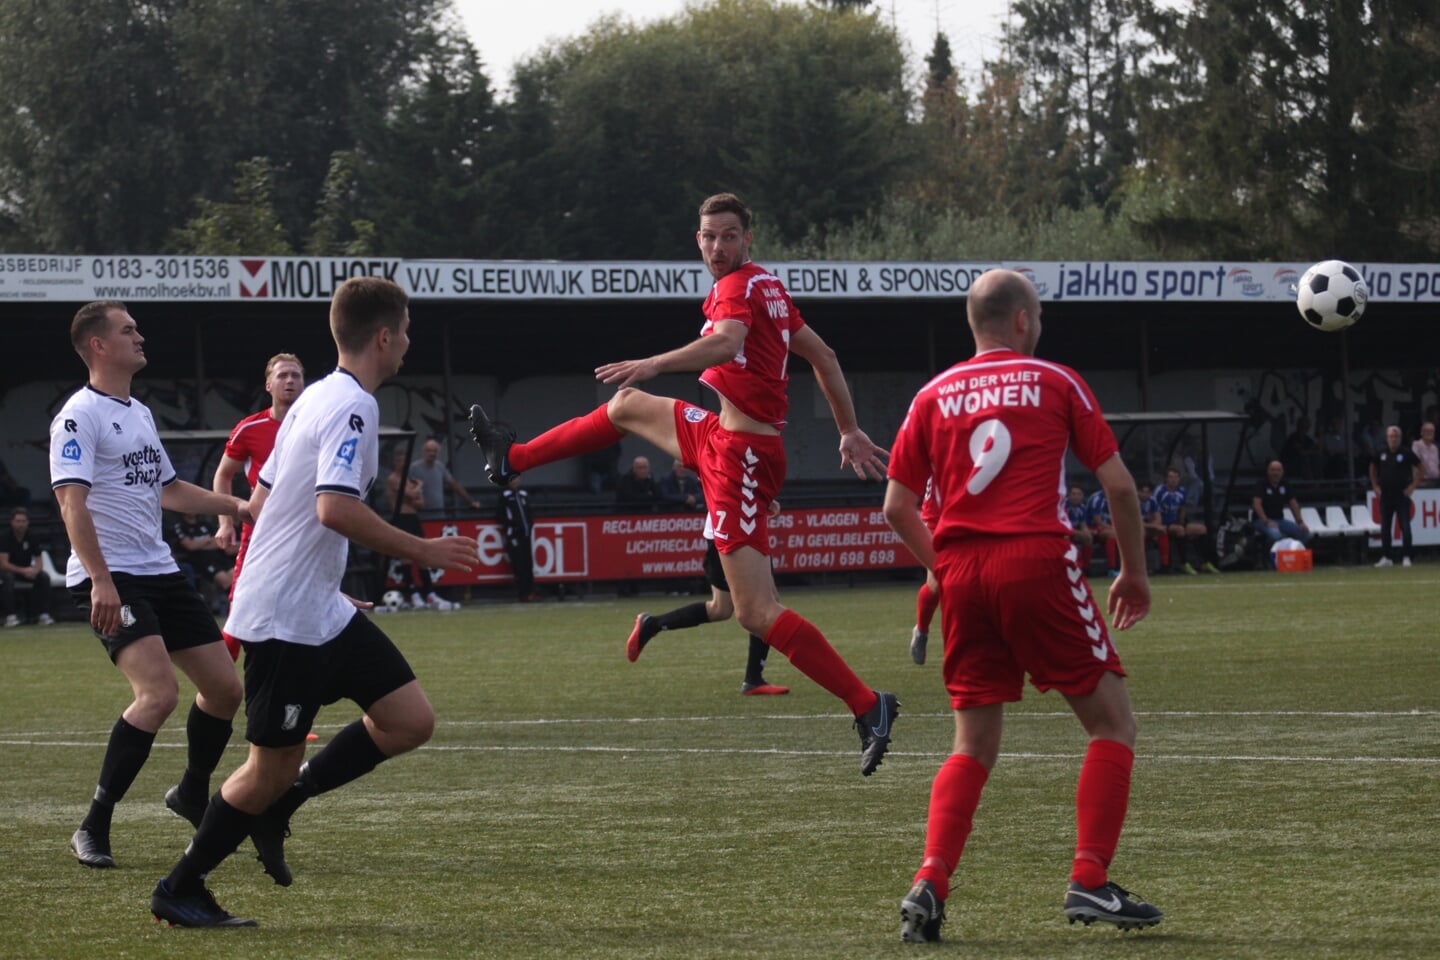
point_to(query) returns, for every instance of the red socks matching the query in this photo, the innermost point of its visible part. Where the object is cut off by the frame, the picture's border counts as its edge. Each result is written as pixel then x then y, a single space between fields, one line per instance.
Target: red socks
pixel 953 798
pixel 1101 799
pixel 926 601
pixel 806 647
pixel 586 434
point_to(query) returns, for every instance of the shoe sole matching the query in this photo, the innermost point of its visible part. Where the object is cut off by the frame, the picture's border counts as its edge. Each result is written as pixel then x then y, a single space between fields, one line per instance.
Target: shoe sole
pixel 880 747
pixel 766 690
pixel 913 920
pixel 633 646
pixel 1089 915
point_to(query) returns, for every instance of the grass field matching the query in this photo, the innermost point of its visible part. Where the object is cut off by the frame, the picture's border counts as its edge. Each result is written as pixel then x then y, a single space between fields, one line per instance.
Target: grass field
pixel 573 804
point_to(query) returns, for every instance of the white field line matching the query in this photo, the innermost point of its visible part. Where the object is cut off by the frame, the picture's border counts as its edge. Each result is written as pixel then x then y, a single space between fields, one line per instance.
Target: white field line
pixel 43 738
pixel 27 735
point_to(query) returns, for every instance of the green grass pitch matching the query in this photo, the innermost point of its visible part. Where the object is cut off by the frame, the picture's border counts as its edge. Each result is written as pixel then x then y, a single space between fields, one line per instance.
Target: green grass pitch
pixel 573 804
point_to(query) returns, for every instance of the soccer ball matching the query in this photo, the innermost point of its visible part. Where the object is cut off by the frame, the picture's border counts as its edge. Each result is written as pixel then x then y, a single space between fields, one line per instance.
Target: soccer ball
pixel 1331 295
pixel 393 601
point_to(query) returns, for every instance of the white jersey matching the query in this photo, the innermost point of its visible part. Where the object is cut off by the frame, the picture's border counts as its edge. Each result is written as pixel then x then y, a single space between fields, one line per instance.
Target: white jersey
pixel 110 446
pixel 329 443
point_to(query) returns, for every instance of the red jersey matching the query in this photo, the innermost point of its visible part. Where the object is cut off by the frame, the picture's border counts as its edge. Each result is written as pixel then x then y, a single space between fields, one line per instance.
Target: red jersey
pixel 992 433
pixel 251 442
pixel 755 380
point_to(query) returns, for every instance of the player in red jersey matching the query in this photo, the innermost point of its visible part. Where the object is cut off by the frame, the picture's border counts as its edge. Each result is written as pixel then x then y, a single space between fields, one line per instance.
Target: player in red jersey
pixel 927 600
pixel 249 447
pixel 992 433
pixel 751 328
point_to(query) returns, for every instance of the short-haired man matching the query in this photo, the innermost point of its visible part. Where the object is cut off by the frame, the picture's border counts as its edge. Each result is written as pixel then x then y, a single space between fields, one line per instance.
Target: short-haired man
pixel 751 328
pixel 306 643
pixel 1272 495
pixel 20 562
pixel 1016 602
pixel 111 476
pixel 1394 473
pixel 436 478
pixel 248 447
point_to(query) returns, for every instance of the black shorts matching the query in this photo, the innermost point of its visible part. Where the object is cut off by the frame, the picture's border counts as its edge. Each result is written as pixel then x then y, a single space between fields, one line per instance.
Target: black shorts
pixel 286 684
pixel 163 605
pixel 714 572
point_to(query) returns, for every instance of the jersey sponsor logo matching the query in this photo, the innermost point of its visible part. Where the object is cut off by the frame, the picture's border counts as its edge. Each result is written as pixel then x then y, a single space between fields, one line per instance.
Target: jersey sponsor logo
pixel 71 450
pixel 71 426
pixel 142 466
pixel 357 424
pixel 345 456
pixel 695 414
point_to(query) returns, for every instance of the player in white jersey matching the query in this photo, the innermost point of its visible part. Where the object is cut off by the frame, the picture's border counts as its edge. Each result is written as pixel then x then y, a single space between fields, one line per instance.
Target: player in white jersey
pixel 305 643
pixel 111 477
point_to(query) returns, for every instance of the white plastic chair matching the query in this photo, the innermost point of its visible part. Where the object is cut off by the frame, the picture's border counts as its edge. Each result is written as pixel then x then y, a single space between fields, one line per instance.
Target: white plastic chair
pixel 1360 519
pixel 1311 518
pixel 1335 520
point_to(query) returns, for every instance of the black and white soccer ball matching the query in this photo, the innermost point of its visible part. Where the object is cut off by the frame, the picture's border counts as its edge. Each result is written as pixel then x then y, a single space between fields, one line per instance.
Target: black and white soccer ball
pixel 392 602
pixel 1331 295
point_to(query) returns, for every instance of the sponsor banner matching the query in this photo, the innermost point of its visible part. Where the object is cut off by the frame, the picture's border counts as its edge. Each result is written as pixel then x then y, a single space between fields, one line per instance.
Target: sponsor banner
pixel 153 278
pixel 661 546
pixel 1424 519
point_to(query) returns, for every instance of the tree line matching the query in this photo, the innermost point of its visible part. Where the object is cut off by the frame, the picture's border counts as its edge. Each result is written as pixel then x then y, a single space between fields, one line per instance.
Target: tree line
pixel 1102 129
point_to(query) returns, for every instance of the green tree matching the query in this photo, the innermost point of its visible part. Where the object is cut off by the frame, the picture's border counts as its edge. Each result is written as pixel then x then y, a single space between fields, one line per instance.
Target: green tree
pixel 245 224
pixel 115 116
pixel 425 163
pixel 798 109
pixel 338 230
pixel 1283 132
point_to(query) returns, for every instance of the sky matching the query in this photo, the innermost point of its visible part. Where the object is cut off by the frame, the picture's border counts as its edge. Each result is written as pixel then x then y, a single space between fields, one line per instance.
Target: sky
pixel 507 32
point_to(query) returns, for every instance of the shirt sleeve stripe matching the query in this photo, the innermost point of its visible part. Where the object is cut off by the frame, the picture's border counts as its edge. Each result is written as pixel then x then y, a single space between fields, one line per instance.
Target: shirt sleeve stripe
pixel 69 482
pixel 333 488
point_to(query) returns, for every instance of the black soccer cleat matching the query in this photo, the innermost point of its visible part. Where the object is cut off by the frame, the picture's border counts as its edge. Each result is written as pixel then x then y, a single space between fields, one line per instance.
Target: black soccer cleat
pixel 192 910
pixel 1111 904
pixel 644 631
pixel 874 729
pixel 92 850
pixel 494 440
pixel 178 805
pixel 918 639
pixel 268 833
pixel 921 914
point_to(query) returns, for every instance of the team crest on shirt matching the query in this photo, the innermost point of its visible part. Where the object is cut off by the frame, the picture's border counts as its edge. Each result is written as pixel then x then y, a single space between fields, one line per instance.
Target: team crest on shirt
pixel 695 414
pixel 71 451
pixel 345 456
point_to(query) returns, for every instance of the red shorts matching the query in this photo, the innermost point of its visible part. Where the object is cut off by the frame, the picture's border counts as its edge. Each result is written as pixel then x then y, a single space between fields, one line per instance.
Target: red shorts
pixel 1012 606
pixel 739 472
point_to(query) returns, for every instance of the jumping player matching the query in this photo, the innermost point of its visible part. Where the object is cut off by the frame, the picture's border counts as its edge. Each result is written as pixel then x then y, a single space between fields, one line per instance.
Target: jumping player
pixel 927 600
pixel 751 327
pixel 993 432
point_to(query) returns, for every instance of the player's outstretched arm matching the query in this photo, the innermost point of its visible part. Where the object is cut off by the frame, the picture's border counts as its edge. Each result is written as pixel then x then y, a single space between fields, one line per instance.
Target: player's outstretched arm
pixel 719 347
pixel 1129 600
pixel 352 518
